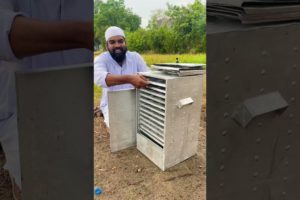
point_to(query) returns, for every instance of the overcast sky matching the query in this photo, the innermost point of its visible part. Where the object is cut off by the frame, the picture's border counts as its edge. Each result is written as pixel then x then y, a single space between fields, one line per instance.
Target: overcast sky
pixel 145 8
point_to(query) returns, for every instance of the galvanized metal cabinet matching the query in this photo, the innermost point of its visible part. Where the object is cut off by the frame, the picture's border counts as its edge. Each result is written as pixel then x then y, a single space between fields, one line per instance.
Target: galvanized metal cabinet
pixel 55 122
pixel 259 159
pixel 167 118
pixel 178 129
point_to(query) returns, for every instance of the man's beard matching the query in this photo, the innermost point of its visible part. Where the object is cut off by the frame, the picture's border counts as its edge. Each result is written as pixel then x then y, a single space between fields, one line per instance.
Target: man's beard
pixel 118 57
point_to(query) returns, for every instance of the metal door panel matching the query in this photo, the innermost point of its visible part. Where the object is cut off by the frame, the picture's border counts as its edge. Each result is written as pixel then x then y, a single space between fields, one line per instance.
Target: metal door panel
pixel 252 162
pixel 122 119
pixel 55 121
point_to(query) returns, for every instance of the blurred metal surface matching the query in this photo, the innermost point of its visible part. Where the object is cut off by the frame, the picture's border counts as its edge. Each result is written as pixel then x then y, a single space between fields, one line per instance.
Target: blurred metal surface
pixel 122 119
pixel 259 161
pixel 55 121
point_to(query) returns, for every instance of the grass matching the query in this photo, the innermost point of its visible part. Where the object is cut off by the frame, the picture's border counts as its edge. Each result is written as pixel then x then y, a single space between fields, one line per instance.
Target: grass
pixel 171 58
pixel 97 95
pixel 160 58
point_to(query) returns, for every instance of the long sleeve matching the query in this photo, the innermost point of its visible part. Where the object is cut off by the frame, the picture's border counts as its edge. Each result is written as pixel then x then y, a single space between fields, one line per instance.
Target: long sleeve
pixel 100 71
pixel 7 16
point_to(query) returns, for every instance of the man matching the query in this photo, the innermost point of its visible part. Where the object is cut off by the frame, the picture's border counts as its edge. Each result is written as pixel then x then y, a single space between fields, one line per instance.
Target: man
pixel 117 69
pixel 29 31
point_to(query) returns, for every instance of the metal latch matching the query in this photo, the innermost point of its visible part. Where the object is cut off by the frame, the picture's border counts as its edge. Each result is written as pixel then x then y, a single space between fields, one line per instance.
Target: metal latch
pixel 184 102
pixel 256 106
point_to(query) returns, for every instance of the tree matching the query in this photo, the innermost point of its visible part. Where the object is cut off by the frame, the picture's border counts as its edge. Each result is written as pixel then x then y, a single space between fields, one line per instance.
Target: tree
pixel 138 40
pixel 190 24
pixel 159 19
pixel 113 13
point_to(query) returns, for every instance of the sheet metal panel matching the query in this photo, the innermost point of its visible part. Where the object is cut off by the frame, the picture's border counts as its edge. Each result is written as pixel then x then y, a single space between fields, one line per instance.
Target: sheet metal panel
pixel 240 3
pixel 122 119
pixel 55 121
pixel 153 93
pixel 152 119
pixel 154 115
pixel 152 98
pixel 182 124
pixel 151 108
pixel 253 12
pixel 259 161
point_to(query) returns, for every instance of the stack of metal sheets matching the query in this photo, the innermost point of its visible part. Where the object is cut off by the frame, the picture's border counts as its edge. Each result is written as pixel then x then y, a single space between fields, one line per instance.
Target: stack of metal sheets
pixel 255 11
pixel 152 109
pixel 180 69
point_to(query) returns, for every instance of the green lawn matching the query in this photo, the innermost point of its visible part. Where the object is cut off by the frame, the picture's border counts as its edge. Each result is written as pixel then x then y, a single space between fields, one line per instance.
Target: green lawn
pixel 159 58
pixel 166 58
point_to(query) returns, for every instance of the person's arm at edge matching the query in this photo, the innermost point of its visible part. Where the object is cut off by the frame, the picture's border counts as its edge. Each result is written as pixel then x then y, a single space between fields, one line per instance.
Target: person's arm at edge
pixel 31 37
pixel 137 81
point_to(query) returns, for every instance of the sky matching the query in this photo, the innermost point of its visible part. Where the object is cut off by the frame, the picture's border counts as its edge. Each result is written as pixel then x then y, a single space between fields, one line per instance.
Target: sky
pixel 145 8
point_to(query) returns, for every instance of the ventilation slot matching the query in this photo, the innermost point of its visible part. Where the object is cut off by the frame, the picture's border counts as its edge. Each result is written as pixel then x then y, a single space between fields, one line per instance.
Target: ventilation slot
pixel 152 110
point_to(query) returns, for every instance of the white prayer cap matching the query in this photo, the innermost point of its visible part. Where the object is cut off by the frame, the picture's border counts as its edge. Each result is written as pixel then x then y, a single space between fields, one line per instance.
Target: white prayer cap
pixel 113 31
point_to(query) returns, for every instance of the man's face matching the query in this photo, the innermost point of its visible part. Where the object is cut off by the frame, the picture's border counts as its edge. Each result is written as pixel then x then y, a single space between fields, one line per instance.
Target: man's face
pixel 117 48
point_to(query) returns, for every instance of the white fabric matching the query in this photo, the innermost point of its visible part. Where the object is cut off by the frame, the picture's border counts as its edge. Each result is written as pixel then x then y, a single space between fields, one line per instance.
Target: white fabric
pixel 105 115
pixel 54 10
pixel 104 64
pixel 113 31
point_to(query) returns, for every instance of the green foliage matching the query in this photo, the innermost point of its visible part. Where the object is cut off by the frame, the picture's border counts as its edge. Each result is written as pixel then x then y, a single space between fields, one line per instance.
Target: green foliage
pixel 189 23
pixel 113 13
pixel 138 40
pixel 97 95
pixel 179 29
pixel 151 59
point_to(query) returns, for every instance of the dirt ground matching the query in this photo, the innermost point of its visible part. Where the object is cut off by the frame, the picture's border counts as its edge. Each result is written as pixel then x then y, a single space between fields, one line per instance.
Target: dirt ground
pixel 129 175
pixel 5 183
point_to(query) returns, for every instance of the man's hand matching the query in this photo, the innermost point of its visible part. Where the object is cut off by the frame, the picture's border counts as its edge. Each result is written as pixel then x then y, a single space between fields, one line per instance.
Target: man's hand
pixel 31 37
pixel 136 80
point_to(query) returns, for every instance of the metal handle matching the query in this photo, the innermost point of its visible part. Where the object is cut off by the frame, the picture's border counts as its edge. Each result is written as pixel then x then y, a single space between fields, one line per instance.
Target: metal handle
pixel 256 106
pixel 184 102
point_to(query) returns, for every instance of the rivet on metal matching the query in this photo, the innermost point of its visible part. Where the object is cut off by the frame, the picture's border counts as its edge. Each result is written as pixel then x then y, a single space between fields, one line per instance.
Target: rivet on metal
pixel 223 150
pixel 258 140
pixel 295 66
pixel 293 83
pixel 226 96
pixel 224 132
pixel 292 99
pixel 254 188
pixel 286 163
pixel 256 157
pixel 263 53
pixel 262 90
pixel 255 174
pixel 221 185
pixel 296 48
pixel 222 167
pixel 287 147
pixel 226 78
pixel 290 132
pixel 283 193
pixel 226 115
pixel 285 178
pixel 263 72
pixel 227 60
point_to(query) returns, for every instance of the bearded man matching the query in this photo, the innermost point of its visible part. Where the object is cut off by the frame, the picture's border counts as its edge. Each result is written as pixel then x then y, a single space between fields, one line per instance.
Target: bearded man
pixel 117 68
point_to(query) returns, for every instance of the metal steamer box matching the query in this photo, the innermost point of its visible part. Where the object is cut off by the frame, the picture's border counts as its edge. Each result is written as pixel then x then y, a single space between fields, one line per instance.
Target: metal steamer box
pixel 162 120
pixel 253 111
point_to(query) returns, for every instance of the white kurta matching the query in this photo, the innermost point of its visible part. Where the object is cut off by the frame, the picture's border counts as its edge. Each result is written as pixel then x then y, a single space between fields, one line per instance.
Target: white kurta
pixel 49 10
pixel 105 64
